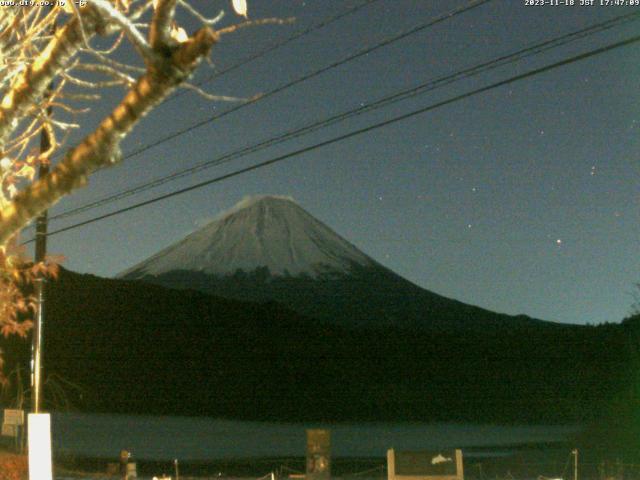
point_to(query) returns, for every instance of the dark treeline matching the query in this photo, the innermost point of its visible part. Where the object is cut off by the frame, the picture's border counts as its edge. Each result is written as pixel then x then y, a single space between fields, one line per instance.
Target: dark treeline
pixel 141 348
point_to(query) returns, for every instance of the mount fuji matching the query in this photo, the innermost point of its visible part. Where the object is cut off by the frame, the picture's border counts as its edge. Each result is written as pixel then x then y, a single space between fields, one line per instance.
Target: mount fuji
pixel 270 232
pixel 268 248
pixel 312 329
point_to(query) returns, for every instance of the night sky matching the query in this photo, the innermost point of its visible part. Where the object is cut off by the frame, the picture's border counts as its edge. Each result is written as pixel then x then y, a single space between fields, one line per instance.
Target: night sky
pixel 523 199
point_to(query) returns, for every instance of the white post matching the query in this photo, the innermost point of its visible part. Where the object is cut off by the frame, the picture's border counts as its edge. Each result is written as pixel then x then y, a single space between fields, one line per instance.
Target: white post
pixel 39 425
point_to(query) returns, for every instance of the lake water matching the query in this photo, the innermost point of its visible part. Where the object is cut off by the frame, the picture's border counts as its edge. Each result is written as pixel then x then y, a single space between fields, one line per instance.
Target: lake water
pixel 166 438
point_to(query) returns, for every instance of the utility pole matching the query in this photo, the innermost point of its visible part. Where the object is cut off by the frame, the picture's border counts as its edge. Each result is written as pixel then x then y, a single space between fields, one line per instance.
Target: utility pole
pixel 575 463
pixel 39 424
pixel 40 254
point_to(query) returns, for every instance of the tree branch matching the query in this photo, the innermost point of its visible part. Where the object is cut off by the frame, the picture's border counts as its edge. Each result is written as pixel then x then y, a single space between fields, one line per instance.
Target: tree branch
pixel 102 147
pixel 160 31
pixel 30 87
pixel 113 16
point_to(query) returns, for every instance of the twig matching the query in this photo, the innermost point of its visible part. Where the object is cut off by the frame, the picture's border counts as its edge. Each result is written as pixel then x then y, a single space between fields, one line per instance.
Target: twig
pixel 255 23
pixel 199 16
pixel 209 96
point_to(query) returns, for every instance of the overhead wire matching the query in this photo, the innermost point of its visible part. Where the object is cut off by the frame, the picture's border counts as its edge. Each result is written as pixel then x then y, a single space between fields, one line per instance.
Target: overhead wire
pixel 424 87
pixel 349 58
pixel 262 53
pixel 277 45
pixel 375 126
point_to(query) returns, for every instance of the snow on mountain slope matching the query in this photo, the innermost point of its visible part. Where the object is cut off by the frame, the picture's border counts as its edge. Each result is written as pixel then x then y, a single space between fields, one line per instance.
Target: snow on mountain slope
pixel 260 231
pixel 285 255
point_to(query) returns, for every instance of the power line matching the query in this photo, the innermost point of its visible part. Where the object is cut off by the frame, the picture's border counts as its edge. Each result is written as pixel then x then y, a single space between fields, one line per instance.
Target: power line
pixel 264 52
pixel 393 98
pixel 278 45
pixel 450 14
pixel 441 18
pixel 354 133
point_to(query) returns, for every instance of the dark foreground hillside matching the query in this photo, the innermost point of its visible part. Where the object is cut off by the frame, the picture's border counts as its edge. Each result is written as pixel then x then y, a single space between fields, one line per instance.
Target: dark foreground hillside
pixel 614 434
pixel 135 347
pixel 367 297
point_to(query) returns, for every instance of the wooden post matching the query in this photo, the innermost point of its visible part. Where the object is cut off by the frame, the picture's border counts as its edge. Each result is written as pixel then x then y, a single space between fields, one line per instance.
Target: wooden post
pixel 124 464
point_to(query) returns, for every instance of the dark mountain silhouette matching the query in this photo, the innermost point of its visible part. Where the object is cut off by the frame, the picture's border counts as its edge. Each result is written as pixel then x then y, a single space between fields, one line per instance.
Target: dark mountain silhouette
pixel 270 249
pixel 277 318
pixel 135 347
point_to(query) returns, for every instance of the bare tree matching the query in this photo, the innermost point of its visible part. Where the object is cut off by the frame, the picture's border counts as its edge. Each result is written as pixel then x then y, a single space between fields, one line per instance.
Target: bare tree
pixel 48 59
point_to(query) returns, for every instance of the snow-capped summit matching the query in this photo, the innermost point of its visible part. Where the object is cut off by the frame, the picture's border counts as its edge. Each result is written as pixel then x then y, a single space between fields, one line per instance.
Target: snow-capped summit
pixel 268 249
pixel 259 232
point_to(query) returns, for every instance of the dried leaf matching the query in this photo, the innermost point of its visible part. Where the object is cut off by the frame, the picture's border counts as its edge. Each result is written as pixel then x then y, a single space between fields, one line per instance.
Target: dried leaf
pixel 179 34
pixel 240 7
pixel 12 190
pixel 26 172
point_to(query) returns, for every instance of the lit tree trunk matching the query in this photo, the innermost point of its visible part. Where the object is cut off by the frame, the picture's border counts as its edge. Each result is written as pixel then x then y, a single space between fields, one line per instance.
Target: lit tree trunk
pixel 169 61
